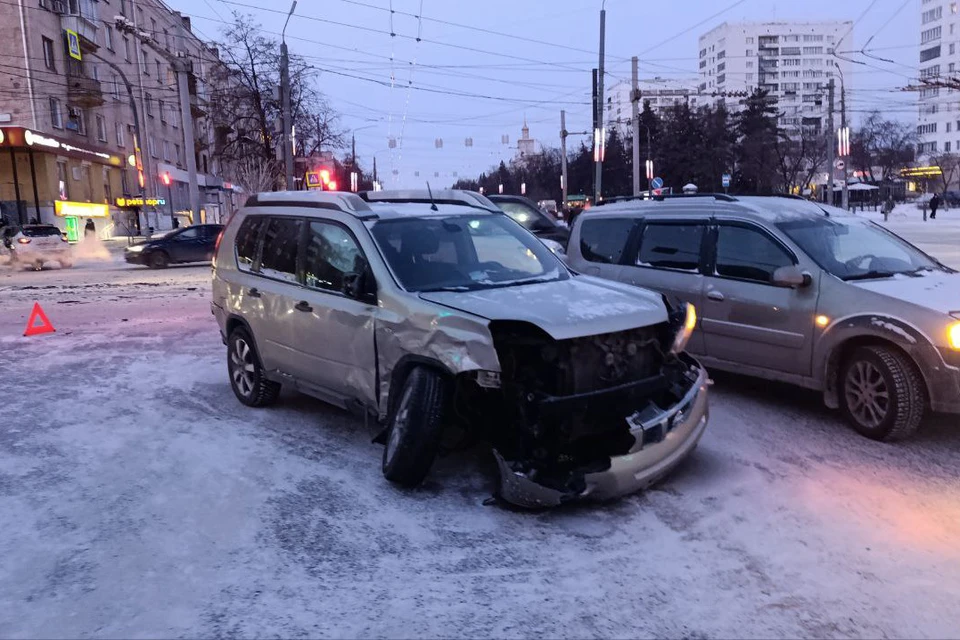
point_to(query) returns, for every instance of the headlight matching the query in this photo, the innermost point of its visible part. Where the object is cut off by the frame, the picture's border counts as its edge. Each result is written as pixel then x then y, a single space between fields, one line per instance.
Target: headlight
pixel 953 336
pixel 137 248
pixel 683 335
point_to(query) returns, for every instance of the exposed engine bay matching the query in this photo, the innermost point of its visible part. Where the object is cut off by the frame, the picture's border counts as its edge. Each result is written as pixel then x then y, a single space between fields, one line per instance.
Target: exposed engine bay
pixel 563 409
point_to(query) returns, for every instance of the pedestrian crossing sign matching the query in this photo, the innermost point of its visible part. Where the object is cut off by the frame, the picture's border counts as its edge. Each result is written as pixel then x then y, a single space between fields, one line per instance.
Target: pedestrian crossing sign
pixel 313 180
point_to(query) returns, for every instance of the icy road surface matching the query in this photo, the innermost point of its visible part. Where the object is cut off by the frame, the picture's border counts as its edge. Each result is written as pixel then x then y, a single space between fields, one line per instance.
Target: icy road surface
pixel 138 498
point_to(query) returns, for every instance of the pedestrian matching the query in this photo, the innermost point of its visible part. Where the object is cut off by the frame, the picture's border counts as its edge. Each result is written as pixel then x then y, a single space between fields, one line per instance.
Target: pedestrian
pixel 89 229
pixel 934 204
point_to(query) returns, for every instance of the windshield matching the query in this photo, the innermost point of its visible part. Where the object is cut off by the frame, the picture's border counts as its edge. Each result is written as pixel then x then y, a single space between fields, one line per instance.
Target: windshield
pixel 463 253
pixel 855 249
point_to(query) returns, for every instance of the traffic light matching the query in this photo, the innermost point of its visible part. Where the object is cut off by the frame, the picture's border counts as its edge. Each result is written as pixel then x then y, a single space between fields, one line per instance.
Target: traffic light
pixel 165 178
pixel 325 176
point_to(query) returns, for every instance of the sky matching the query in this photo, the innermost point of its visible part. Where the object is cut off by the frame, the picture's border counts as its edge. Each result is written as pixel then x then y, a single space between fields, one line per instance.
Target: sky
pixel 480 68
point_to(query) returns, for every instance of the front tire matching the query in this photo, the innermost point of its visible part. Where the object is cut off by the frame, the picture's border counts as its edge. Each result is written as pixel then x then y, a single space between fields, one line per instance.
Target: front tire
pixel 159 260
pixel 416 427
pixel 882 394
pixel 247 376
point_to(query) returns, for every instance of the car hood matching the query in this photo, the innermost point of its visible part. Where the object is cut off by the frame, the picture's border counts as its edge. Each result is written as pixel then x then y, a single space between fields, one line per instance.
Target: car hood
pixel 933 290
pixel 576 307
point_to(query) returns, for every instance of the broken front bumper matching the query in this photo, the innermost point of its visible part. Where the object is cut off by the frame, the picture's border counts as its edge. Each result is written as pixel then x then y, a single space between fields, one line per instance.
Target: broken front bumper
pixel 663 438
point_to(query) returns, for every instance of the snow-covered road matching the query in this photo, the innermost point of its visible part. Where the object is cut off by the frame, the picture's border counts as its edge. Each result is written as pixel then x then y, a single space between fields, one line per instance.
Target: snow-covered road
pixel 138 498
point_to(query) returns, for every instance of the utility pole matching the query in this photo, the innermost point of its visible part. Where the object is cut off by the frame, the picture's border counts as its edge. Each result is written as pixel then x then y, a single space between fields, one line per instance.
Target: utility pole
pixel 845 142
pixel 563 159
pixel 599 130
pixel 285 102
pixel 635 99
pixel 145 160
pixel 831 133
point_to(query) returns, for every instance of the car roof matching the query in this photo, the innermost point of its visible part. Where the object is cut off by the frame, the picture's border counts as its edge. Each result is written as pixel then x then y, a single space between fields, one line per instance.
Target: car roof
pixel 394 210
pixel 448 196
pixel 759 208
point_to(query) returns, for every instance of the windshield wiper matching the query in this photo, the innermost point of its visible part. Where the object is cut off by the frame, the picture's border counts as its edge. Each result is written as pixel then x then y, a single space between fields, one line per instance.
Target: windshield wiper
pixel 870 275
pixel 453 289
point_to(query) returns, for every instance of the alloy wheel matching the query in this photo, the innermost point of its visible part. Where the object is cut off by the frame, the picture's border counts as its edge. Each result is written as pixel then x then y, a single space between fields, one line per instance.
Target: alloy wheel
pixel 867 395
pixel 242 367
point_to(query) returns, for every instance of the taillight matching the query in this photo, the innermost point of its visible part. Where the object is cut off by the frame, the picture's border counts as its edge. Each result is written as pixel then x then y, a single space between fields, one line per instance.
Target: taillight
pixel 216 247
pixel 23 240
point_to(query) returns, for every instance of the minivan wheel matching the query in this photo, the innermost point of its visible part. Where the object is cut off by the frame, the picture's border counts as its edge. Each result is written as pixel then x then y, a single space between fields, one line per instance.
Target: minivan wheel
pixel 415 428
pixel 247 377
pixel 159 260
pixel 882 393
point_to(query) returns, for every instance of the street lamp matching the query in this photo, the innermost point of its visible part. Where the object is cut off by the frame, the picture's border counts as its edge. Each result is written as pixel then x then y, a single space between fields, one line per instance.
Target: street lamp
pixel 285 101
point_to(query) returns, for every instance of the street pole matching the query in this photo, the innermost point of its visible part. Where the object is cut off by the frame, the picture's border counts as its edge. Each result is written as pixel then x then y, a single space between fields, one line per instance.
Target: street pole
pixel 285 98
pixel 600 129
pixel 843 127
pixel 182 68
pixel 563 160
pixel 635 99
pixel 145 160
pixel 831 134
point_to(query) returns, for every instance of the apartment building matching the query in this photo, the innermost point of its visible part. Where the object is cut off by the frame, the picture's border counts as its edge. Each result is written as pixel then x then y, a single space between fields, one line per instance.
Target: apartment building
pixel 792 61
pixel 67 125
pixel 938 117
pixel 662 94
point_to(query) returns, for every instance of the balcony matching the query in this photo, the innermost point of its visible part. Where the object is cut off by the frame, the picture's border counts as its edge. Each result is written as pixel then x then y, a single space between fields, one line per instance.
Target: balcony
pixel 84 28
pixel 84 92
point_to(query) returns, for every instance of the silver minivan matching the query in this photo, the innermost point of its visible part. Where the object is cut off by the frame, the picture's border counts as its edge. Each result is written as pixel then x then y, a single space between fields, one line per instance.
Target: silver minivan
pixel 423 311
pixel 794 291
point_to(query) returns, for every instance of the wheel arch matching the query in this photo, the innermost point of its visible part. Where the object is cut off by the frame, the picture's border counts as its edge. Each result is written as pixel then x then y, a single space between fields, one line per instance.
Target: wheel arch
pixel 400 372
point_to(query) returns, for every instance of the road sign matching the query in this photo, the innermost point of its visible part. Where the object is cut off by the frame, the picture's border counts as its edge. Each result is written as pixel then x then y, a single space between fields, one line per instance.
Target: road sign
pixel 657 183
pixel 657 192
pixel 725 179
pixel 313 180
pixel 840 165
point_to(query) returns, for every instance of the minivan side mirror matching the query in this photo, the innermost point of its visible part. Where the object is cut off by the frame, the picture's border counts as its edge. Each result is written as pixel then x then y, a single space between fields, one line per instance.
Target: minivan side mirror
pixel 792 277
pixel 360 286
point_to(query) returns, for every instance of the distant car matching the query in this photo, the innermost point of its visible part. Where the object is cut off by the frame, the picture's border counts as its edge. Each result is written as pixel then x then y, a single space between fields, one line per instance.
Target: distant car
pixel 533 218
pixel 190 244
pixel 35 244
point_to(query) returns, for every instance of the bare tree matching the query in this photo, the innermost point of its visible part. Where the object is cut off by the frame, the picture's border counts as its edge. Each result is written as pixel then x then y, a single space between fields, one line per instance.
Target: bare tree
pixel 800 157
pixel 255 174
pixel 949 164
pixel 885 145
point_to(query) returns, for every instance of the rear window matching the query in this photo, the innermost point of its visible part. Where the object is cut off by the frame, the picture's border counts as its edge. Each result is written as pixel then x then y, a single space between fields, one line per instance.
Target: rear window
pixel 40 232
pixel 247 238
pixel 604 239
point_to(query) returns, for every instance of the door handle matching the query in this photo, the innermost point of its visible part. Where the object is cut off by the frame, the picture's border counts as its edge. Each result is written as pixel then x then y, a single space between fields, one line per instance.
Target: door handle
pixel 303 306
pixel 254 293
pixel 716 296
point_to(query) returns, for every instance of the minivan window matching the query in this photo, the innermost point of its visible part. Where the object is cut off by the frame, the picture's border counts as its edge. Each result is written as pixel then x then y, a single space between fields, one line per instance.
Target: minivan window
pixel 247 238
pixel 278 259
pixel 671 246
pixel 748 254
pixel 332 253
pixel 604 239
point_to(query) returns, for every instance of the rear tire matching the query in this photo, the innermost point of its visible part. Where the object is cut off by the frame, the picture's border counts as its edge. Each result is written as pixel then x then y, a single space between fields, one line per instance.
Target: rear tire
pixel 159 260
pixel 882 394
pixel 415 429
pixel 247 377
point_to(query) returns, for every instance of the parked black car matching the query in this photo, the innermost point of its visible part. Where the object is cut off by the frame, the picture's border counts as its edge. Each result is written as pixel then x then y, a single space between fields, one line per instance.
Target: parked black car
pixel 535 219
pixel 190 244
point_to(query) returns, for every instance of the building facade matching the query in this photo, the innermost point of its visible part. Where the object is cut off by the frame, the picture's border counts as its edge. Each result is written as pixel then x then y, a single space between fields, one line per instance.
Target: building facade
pixel 938 116
pixel 792 61
pixel 68 124
pixel 661 94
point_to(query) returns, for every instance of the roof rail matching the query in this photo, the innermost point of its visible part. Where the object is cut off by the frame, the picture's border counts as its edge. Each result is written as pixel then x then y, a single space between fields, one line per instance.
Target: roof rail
pixel 332 200
pixel 441 196
pixel 723 197
pixel 791 196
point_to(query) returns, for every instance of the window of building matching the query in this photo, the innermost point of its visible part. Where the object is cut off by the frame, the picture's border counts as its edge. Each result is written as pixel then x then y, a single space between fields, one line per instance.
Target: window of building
pixel 107 189
pixel 721 67
pixel 671 246
pixel 953 48
pixel 148 101
pixel 101 128
pixel 931 15
pixel 747 254
pixel 63 186
pixel 166 151
pixel 159 72
pixel 176 152
pixel 721 78
pixel 146 62
pixel 813 38
pixel 118 129
pixel 278 258
pixel 930 34
pixel 951 67
pixel 603 240
pixel 56 117
pixel 331 255
pixel 49 60
pixel 749 77
pixel 813 51
pixel 140 20
pixel 152 146
pixel 76 120
pixel 108 37
pixel 749 64
pixel 750 40
pixel 791 38
pixel 930 72
pixel 161 107
pixel 126 48
pixel 153 27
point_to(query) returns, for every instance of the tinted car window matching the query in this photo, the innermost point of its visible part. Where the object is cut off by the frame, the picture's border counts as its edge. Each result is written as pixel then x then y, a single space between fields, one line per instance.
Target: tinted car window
pixel 749 254
pixel 188 234
pixel 40 232
pixel 671 246
pixel 331 254
pixel 211 231
pixel 278 259
pixel 604 239
pixel 247 237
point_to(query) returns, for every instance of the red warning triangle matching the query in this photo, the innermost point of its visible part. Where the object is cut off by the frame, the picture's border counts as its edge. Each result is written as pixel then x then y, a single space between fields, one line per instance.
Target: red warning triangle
pixel 44 326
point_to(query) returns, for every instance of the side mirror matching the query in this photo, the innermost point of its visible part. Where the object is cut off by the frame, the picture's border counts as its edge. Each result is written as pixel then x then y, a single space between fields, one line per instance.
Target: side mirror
pixel 360 286
pixel 792 277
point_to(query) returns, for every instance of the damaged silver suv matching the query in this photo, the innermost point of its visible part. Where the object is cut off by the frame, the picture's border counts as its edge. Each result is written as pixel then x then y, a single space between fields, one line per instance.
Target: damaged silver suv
pixel 424 315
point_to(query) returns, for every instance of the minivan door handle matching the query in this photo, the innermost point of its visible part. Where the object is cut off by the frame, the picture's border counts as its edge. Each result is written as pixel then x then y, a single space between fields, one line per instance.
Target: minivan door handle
pixel 254 292
pixel 716 296
pixel 303 306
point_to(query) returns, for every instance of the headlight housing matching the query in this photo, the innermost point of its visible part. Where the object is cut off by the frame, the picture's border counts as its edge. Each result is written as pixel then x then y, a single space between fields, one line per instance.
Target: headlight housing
pixel 137 248
pixel 953 332
pixel 686 330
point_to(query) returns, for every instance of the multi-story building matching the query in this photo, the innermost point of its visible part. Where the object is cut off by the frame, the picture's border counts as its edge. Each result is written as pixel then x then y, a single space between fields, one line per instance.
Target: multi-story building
pixel 67 149
pixel 662 94
pixel 938 117
pixel 792 61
